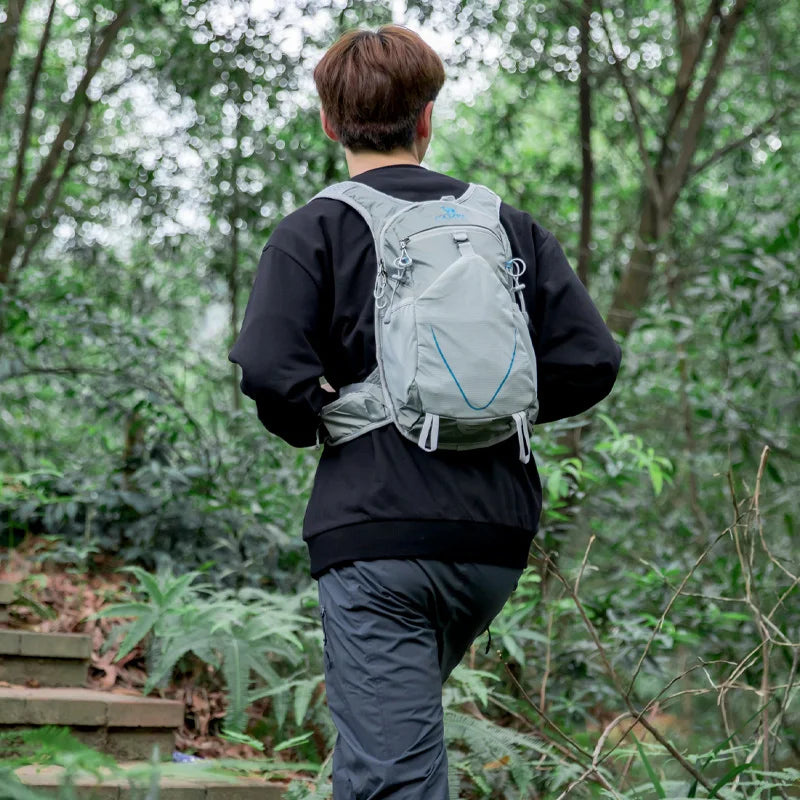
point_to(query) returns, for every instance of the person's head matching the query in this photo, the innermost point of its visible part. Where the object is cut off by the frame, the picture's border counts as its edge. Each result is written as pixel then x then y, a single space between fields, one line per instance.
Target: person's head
pixel 377 90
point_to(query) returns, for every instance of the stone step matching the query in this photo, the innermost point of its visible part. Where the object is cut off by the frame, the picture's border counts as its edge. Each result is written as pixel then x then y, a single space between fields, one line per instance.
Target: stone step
pixel 125 726
pixel 8 591
pixel 47 780
pixel 50 659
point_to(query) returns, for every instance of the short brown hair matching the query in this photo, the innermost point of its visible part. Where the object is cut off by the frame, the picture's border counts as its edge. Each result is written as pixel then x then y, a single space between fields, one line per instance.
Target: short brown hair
pixel 374 86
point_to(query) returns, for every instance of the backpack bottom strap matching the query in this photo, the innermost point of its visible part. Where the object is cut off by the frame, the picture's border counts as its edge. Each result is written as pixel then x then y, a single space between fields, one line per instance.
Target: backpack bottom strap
pixel 429 437
pixel 523 436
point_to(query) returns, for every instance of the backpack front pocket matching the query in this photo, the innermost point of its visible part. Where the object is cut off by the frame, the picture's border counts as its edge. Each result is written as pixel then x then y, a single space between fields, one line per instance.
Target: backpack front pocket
pixel 474 359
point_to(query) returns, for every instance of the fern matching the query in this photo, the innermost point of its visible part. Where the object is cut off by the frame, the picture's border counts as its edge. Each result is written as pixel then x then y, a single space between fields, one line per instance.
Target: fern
pixel 507 751
pixel 244 635
pixel 321 790
pixel 236 669
pixel 473 682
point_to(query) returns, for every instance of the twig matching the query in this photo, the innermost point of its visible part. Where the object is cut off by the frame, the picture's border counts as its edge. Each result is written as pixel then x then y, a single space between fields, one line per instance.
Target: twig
pixel 565 751
pixel 547 657
pixel 668 608
pixel 612 674
pixel 521 689
pixel 583 563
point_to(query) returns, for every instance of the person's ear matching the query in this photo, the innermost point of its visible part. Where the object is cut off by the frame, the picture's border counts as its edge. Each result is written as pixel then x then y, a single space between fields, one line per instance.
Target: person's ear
pixel 326 126
pixel 425 123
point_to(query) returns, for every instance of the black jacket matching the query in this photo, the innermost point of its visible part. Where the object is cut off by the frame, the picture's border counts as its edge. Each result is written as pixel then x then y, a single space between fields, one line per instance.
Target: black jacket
pixel 380 496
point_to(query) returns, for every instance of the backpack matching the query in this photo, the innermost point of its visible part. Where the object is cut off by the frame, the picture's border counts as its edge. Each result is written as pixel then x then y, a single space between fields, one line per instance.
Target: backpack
pixel 456 367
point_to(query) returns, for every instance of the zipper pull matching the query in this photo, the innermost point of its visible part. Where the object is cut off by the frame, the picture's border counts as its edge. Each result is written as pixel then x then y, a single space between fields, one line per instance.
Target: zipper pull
pixel 379 292
pixel 402 262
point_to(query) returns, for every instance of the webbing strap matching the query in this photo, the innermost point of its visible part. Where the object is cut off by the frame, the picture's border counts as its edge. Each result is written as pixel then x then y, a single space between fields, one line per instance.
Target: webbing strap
pixel 523 436
pixel 429 437
pixel 463 243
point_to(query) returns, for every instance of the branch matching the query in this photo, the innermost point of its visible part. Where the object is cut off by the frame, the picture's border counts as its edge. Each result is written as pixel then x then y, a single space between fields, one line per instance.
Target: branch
pixel 540 734
pixel 93 64
pixel 723 151
pixel 650 176
pixel 12 240
pixel 25 131
pixel 67 370
pixel 578 750
pixel 727 27
pixel 160 385
pixel 55 193
pixel 614 677
pixel 8 42
pixel 12 235
pixel 692 48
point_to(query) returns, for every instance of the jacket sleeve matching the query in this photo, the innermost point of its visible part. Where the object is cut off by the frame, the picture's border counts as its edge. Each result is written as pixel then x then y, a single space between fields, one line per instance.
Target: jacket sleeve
pixel 278 349
pixel 577 358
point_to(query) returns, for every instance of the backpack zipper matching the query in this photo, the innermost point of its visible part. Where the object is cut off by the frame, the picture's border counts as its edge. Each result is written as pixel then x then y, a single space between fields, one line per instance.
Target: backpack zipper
pixel 454 229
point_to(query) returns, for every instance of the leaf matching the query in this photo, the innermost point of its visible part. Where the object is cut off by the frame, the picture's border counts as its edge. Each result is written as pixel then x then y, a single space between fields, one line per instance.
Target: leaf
pixel 649 767
pixel 122 610
pixel 178 588
pixel 147 582
pixel 236 670
pixel 137 630
pixel 513 649
pixel 729 776
pixel 500 763
pixel 237 737
pixel 293 742
pixel 303 695
pixel 656 477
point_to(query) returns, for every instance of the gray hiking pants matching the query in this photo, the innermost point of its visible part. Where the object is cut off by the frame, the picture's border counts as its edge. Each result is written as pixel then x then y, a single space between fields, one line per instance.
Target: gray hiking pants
pixel 394 630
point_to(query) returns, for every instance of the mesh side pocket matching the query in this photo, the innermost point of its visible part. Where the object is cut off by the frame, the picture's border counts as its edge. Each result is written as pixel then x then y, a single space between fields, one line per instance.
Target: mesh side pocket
pixel 358 410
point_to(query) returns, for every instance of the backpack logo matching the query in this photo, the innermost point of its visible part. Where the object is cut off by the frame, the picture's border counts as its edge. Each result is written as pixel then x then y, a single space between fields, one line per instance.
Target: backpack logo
pixel 449 212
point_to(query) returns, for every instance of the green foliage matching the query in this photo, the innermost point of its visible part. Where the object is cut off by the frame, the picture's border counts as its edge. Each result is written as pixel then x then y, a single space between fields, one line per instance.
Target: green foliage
pixel 57 747
pixel 51 745
pixel 120 418
pixel 255 640
pixel 47 746
pixel 492 757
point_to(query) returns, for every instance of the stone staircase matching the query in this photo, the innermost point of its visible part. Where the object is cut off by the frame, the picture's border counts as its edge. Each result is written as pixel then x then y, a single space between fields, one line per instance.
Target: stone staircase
pixel 42 682
pixel 46 781
pixel 52 659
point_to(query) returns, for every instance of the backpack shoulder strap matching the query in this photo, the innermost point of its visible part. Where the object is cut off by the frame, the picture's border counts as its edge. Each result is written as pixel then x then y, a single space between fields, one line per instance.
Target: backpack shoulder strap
pixel 374 206
pixel 482 199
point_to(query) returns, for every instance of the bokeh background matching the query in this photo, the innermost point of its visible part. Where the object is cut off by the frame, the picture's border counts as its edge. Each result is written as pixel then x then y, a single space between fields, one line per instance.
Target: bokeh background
pixel 147 150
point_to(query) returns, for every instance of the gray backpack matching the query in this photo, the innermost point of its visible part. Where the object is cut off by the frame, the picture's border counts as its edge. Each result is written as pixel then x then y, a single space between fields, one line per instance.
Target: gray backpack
pixel 456 367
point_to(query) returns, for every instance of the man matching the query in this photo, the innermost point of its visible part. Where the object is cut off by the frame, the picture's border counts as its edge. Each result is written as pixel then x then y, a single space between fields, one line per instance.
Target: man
pixel 415 551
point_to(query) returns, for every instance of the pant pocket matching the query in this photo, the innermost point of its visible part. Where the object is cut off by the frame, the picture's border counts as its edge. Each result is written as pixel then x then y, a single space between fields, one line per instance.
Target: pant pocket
pixel 326 648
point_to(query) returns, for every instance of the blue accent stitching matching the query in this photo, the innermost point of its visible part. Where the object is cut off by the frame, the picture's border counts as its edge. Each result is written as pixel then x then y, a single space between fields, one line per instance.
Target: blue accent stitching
pixel 452 374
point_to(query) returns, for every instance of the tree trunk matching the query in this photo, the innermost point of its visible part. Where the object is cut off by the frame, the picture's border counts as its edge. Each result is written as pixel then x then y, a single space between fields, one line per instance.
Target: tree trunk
pixel 587 162
pixel 572 439
pixel 634 286
pixel 664 182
